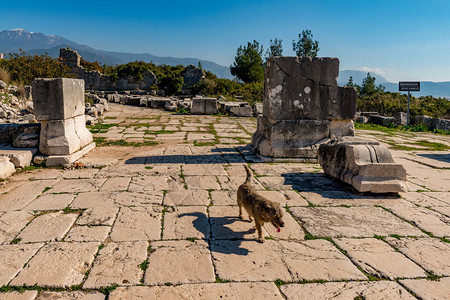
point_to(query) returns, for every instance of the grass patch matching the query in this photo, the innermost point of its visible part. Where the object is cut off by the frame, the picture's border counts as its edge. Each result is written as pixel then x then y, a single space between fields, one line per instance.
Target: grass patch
pixel 220 280
pixel 144 265
pixel 110 118
pixel 148 167
pixel 107 290
pixel 16 241
pixel 68 210
pixel 191 239
pixel 279 282
pixel 101 141
pixel 202 144
pixel 100 126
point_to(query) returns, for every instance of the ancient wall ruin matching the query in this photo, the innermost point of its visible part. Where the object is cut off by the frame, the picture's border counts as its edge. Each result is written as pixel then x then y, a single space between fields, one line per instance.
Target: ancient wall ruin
pixel 302 107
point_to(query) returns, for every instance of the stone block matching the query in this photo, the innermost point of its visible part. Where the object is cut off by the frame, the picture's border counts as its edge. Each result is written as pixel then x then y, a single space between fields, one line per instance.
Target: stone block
pixel 290 138
pixel 57 98
pixel 19 157
pixel 441 124
pixel 400 118
pixel 340 128
pixel 204 106
pixel 422 119
pixel 6 167
pixel 136 101
pixel 257 109
pixel 306 88
pixel 364 164
pixel 382 120
pixel 161 103
pixel 242 111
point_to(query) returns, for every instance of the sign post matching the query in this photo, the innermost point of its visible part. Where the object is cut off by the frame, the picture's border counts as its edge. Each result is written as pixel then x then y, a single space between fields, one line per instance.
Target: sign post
pixel 408 86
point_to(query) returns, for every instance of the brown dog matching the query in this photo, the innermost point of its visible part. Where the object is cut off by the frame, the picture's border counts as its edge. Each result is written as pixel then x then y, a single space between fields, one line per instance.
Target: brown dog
pixel 258 207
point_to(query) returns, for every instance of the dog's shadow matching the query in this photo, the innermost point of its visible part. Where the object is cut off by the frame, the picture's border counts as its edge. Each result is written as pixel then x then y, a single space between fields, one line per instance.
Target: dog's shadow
pixel 223 239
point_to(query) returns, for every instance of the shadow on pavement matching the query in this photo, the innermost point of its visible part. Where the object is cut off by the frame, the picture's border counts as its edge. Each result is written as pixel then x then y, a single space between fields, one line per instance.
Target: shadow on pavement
pixel 228 239
pixel 445 157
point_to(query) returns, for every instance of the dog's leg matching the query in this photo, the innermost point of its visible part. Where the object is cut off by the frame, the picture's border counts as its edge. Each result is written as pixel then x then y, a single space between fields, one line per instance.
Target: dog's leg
pixel 239 202
pixel 259 230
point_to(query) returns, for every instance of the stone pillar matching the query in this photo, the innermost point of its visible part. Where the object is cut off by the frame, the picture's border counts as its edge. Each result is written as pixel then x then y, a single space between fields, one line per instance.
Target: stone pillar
pixel 303 107
pixel 59 106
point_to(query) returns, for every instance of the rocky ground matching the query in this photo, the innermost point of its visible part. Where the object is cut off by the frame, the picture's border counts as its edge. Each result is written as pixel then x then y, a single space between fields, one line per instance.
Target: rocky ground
pixel 155 217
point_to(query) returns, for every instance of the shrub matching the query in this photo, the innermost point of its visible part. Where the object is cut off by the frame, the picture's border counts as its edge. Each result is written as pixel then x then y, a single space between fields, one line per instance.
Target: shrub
pixel 24 68
pixel 5 76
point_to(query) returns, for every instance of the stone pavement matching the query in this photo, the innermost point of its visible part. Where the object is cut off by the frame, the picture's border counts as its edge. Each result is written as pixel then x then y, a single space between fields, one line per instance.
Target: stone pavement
pixel 159 221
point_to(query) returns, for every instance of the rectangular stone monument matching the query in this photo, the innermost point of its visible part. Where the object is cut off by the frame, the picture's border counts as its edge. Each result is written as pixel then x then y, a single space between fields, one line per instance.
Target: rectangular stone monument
pixel 59 106
pixel 302 107
pixel 205 106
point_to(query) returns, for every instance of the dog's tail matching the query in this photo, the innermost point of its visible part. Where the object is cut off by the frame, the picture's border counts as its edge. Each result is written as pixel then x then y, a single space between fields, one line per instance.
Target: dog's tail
pixel 249 174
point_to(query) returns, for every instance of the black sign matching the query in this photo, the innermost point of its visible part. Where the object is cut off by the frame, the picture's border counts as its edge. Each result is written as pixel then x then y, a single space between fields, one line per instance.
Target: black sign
pixel 409 86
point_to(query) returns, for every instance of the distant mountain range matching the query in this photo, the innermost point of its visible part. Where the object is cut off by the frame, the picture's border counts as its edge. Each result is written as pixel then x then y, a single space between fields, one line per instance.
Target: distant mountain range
pixel 38 43
pixel 436 89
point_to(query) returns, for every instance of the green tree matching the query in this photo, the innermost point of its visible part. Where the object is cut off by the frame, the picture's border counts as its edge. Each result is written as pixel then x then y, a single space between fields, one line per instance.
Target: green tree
pixel 275 49
pixel 24 68
pixel 350 82
pixel 248 63
pixel 305 46
pixel 369 88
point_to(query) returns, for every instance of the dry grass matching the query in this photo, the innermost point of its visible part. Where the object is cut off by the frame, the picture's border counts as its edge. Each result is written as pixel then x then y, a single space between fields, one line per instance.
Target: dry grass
pixel 20 91
pixel 5 75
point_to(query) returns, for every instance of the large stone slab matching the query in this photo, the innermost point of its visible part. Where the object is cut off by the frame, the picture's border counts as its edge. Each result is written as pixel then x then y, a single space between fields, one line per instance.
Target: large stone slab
pixel 172 262
pixel 26 295
pixel 78 185
pixel 241 260
pixel 13 258
pixel 364 164
pixel 87 234
pixel 352 222
pixel 11 223
pixel 317 260
pixel 71 296
pixel 137 224
pixel 379 259
pixel 376 290
pixel 118 263
pixel 98 216
pixel 50 202
pixel 186 222
pixel 20 196
pixel 244 290
pixel 47 227
pixel 187 197
pixel 57 98
pixel 429 289
pixel 155 183
pixel 429 253
pixel 69 262
pixel 436 223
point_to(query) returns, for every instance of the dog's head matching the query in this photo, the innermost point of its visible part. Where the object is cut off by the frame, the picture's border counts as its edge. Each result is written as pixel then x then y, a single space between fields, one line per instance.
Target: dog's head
pixel 275 214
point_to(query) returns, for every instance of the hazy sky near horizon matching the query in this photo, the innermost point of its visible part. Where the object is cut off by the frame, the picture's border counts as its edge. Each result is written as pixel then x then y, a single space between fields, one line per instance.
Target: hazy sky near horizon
pixel 400 40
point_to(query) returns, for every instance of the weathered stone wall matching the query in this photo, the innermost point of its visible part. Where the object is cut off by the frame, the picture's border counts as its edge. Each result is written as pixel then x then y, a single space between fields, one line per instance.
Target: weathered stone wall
pixel 302 107
pixel 192 75
pixel 94 80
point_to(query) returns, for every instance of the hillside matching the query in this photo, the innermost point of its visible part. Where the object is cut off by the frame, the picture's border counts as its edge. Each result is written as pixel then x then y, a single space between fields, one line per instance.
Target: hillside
pixel 39 43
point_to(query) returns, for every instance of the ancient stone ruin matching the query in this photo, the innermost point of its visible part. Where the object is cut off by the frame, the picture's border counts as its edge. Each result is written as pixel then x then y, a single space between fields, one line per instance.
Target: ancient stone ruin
pixel 94 80
pixel 59 106
pixel 303 107
pixel 364 164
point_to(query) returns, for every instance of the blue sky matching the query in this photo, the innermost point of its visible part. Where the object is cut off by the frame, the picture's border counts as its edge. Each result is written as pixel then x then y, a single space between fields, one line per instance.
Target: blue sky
pixel 400 40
